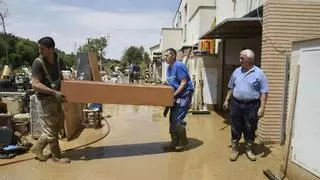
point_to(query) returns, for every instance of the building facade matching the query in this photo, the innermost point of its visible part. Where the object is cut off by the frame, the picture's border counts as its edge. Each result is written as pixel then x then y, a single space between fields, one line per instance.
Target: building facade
pixel 268 27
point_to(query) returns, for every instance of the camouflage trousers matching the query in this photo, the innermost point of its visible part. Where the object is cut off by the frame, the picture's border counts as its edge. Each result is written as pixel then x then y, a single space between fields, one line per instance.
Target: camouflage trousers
pixel 51 116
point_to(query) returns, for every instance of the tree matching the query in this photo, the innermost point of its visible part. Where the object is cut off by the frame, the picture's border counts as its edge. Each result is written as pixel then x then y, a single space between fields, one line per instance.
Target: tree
pixel 27 50
pixel 133 55
pixel 22 52
pixel 146 57
pixel 136 55
pixel 96 45
pixel 3 16
pixel 68 59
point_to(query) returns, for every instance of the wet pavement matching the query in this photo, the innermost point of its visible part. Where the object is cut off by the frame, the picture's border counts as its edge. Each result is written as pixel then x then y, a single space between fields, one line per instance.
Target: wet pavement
pixel 133 150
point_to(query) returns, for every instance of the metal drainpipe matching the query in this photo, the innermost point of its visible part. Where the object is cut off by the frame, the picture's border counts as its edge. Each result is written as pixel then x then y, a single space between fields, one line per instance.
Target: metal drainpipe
pixel 285 99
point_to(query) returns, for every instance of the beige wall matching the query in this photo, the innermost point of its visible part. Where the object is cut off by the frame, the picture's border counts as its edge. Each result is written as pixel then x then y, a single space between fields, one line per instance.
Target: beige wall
pixel 284 21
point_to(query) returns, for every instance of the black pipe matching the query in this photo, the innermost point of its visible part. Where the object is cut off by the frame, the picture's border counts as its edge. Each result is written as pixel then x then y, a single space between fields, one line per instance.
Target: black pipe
pixel 269 175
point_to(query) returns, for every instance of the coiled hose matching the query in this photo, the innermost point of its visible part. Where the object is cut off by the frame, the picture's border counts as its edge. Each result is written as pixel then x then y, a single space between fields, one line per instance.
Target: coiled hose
pixel 70 149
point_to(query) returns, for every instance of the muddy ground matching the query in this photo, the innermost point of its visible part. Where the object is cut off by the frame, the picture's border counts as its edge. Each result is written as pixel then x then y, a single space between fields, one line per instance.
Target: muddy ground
pixel 133 150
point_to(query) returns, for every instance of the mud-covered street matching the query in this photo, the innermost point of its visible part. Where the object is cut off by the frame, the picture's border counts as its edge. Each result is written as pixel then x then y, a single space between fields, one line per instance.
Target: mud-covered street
pixel 133 150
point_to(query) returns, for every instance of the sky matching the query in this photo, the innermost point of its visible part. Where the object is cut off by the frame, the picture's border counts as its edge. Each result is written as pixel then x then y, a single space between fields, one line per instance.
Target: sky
pixel 71 22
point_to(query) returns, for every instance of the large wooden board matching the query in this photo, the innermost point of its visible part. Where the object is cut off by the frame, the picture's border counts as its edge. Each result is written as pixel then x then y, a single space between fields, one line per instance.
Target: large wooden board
pixel 109 93
pixel 93 61
pixel 73 117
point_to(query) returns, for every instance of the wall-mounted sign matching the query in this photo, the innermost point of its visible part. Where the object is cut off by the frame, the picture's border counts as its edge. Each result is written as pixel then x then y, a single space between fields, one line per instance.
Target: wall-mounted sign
pixel 207 46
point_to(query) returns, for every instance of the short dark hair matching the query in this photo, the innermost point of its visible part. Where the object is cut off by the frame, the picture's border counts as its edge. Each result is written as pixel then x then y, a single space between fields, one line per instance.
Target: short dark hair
pixel 173 51
pixel 47 41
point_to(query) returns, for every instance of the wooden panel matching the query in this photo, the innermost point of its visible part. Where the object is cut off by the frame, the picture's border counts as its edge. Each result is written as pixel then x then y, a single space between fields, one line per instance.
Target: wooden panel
pixel 284 21
pixel 93 61
pixel 73 117
pixel 100 92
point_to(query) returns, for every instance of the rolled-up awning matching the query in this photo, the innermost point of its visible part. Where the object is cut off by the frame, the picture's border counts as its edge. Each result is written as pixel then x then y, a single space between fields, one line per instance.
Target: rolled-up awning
pixel 235 28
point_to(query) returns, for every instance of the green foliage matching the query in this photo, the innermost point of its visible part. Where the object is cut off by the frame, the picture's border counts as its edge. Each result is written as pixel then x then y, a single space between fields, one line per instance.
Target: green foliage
pixel 96 45
pixel 22 52
pixel 68 59
pixel 135 55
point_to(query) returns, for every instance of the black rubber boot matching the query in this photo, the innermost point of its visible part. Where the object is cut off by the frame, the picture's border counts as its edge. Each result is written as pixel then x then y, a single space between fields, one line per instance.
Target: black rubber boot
pixel 182 139
pixel 173 143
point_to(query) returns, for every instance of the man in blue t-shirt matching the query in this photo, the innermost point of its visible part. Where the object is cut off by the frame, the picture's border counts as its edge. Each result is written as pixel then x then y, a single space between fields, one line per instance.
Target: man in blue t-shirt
pixel 178 78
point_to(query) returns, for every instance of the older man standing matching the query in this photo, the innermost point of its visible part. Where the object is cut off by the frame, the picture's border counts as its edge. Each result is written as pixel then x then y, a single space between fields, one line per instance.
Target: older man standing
pixel 248 87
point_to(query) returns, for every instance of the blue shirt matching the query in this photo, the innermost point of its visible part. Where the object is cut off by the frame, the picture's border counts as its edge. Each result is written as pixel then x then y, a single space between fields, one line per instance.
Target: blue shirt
pixel 248 85
pixel 175 73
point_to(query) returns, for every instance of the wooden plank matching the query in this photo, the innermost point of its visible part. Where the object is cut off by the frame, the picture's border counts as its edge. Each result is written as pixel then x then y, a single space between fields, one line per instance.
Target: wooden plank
pixel 73 117
pixel 93 61
pixel 109 93
pixel 285 160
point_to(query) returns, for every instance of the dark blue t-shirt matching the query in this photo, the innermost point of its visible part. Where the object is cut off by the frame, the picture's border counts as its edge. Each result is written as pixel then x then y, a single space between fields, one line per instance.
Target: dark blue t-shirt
pixel 175 73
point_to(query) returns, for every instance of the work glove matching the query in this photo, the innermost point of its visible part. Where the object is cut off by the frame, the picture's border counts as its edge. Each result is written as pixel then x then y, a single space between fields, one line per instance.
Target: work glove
pixel 226 105
pixel 59 96
pixel 261 112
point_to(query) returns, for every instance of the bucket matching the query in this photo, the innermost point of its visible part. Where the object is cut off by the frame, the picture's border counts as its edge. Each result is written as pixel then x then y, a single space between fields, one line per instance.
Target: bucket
pixel 21 126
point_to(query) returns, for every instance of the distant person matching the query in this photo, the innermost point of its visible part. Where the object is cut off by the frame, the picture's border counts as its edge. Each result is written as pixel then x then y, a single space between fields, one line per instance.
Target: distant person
pixel 179 79
pixel 248 91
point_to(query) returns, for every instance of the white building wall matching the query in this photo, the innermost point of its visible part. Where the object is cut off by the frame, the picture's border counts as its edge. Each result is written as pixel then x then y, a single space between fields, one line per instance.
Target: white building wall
pixel 206 20
pixel 243 7
pixel 224 10
pixel 170 38
pixel 199 24
pixel 194 4
pixel 154 49
pixel 193 30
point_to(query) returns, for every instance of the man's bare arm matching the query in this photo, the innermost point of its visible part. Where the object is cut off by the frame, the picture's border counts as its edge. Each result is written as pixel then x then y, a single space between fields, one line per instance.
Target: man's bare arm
pixel 38 86
pixel 181 87
pixel 263 99
pixel 228 95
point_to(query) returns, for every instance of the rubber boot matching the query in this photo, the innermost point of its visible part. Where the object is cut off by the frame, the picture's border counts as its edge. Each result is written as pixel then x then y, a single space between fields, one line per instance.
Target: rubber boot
pixel 235 150
pixel 182 139
pixel 56 153
pixel 172 144
pixel 38 147
pixel 249 152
